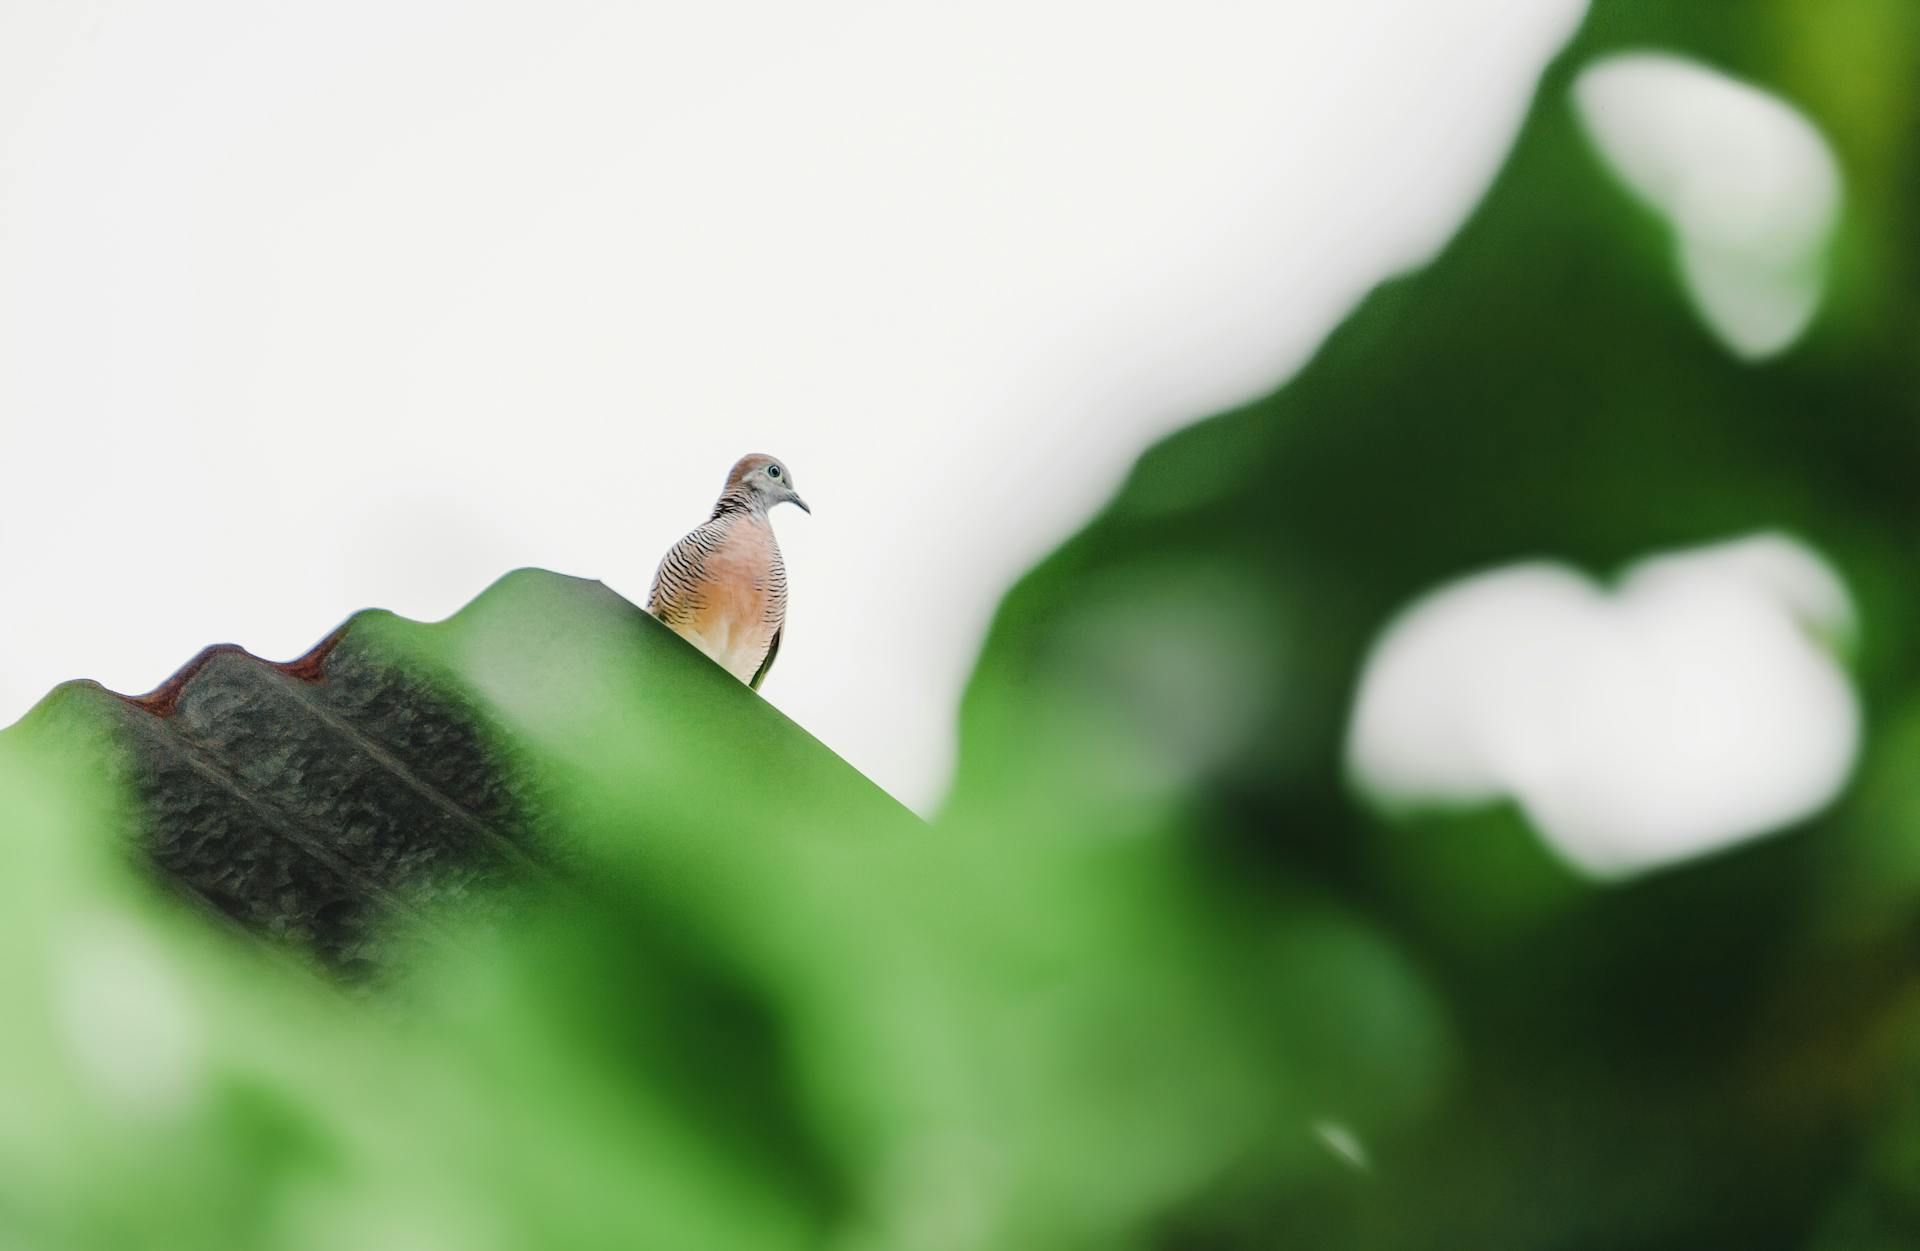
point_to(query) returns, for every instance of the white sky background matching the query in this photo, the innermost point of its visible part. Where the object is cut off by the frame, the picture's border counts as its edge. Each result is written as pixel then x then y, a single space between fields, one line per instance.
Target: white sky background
pixel 305 308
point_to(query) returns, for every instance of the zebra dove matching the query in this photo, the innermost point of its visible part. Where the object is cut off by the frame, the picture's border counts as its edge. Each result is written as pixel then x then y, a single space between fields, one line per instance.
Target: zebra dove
pixel 723 588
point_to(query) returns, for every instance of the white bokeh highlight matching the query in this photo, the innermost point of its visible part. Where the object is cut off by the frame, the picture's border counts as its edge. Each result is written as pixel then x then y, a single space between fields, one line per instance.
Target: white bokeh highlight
pixel 305 308
pixel 1696 704
pixel 1747 182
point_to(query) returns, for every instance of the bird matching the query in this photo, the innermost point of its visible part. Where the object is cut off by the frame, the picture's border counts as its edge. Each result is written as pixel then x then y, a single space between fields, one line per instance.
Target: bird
pixel 723 587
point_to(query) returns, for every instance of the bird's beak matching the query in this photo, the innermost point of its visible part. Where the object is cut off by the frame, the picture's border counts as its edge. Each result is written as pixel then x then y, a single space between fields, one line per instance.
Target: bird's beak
pixel 802 503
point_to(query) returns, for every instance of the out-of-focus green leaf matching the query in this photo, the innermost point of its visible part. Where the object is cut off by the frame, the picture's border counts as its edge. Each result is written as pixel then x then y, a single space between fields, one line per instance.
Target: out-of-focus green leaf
pixel 1686 1059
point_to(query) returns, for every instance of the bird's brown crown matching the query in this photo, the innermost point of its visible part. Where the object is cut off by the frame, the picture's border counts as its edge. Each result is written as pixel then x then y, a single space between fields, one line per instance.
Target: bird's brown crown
pixel 746 465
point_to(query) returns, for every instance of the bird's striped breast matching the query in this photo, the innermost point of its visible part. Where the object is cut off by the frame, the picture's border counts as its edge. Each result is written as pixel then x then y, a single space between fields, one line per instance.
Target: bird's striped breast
pixel 724 588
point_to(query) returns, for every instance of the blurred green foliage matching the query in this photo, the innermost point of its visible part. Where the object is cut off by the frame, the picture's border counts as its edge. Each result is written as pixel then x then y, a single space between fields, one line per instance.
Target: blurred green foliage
pixel 1154 978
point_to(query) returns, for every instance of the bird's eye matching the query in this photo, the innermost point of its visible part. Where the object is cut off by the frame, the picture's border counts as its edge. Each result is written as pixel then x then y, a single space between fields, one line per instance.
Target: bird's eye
pixel 773 471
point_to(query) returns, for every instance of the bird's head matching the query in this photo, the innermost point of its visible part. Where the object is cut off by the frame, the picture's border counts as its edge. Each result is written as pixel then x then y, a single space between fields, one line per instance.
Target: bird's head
pixel 766 480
